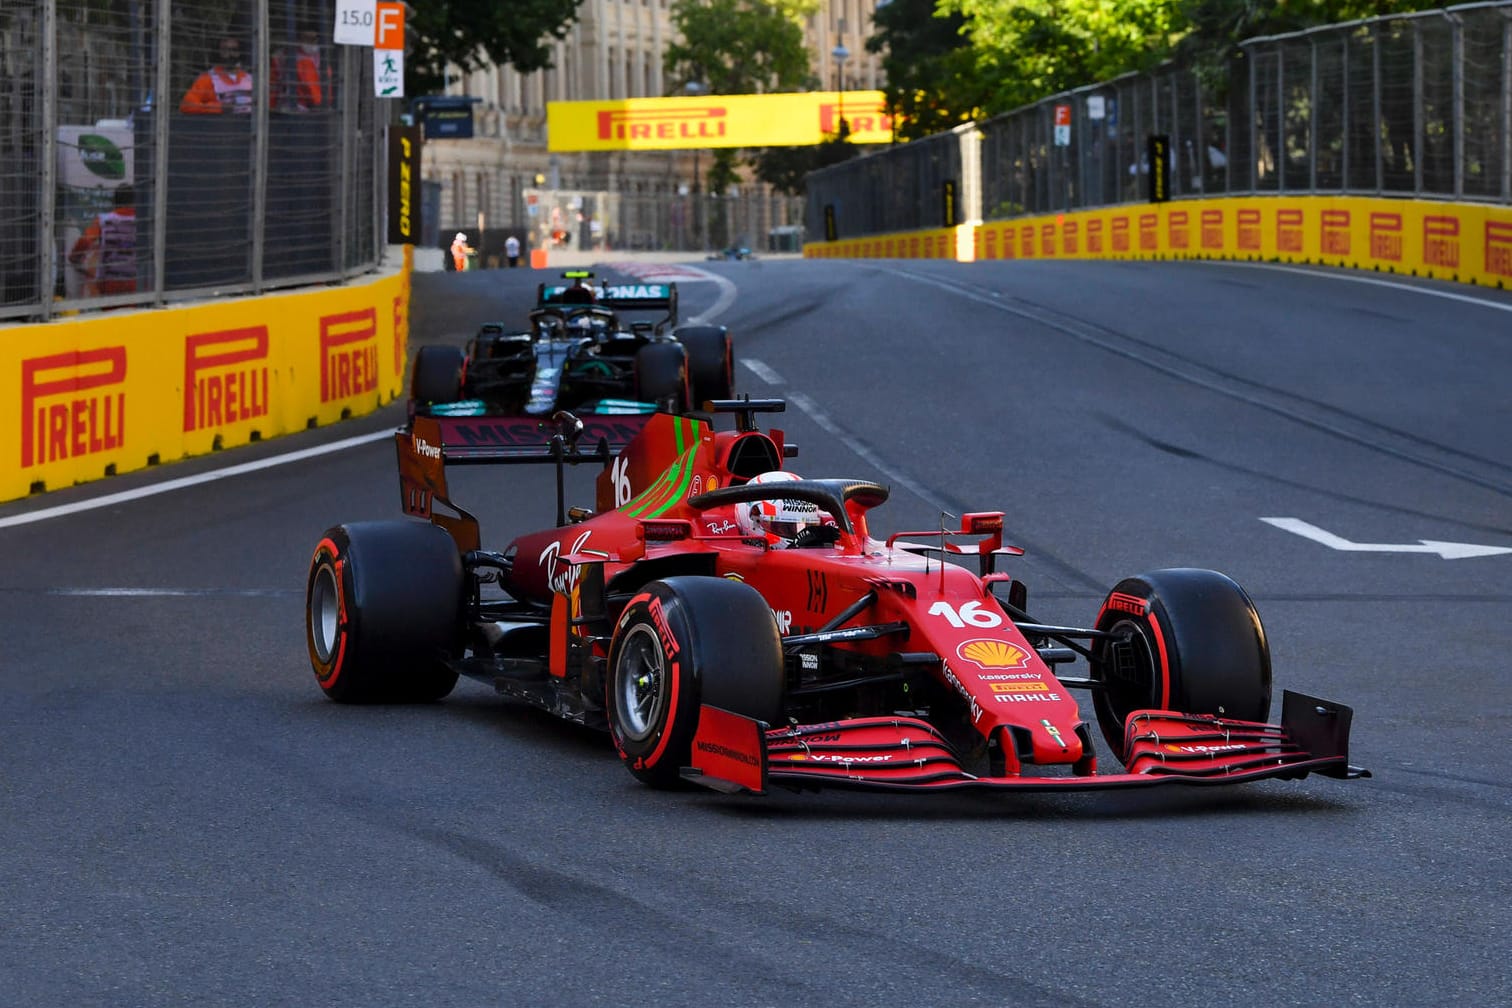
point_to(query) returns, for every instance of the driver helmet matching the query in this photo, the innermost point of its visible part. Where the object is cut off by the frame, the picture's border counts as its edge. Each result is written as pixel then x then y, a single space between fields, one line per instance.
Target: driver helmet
pixel 779 520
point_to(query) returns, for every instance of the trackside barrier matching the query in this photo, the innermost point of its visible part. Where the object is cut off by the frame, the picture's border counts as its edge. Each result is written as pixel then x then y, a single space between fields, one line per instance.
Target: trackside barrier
pixel 1464 242
pixel 118 391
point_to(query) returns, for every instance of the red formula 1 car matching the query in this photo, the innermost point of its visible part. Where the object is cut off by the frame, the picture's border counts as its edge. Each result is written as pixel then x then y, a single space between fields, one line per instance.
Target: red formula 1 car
pixel 733 625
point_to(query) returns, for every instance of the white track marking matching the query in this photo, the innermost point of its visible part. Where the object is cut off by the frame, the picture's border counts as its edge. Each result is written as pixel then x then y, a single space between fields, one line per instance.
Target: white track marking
pixel 762 371
pixel 1447 550
pixel 1372 280
pixel 109 500
pixel 870 457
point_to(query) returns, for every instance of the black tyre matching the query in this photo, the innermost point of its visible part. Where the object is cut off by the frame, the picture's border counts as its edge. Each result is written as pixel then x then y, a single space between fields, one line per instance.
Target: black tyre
pixel 661 375
pixel 1194 644
pixel 437 377
pixel 383 607
pixel 680 643
pixel 711 362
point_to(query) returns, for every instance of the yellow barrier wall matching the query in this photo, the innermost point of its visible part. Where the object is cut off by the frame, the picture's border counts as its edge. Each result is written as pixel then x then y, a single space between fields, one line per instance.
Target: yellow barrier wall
pixel 1469 243
pixel 116 391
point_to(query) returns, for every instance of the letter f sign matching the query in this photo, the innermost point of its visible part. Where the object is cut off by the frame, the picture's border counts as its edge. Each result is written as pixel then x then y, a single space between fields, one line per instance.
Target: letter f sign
pixel 388 27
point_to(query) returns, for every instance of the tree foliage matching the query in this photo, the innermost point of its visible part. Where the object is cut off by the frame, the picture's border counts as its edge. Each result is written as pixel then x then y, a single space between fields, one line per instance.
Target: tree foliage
pixel 473 34
pixel 739 46
pixel 1032 48
pixel 931 68
pixel 952 61
pixel 742 47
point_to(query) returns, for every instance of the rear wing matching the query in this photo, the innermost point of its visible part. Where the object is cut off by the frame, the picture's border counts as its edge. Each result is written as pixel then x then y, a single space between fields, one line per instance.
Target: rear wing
pixel 431 443
pixel 626 297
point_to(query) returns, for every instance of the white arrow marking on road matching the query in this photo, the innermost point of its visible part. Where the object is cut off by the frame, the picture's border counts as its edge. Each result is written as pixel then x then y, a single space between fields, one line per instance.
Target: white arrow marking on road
pixel 1447 550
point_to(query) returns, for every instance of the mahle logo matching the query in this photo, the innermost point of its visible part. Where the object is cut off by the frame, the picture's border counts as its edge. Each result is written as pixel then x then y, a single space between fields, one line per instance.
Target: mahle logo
pixel 102 157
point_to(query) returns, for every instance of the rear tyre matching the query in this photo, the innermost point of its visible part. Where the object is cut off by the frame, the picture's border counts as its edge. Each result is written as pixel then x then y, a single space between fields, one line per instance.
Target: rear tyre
pixel 680 643
pixel 661 375
pixel 1193 644
pixel 711 362
pixel 383 606
pixel 438 375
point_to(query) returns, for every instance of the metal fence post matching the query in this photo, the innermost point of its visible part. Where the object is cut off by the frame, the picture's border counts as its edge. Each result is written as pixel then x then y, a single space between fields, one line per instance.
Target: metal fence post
pixel 47 222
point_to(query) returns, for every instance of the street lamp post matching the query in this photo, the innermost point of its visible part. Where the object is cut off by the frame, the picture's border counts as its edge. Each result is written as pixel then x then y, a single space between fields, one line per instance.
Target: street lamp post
pixel 700 219
pixel 840 55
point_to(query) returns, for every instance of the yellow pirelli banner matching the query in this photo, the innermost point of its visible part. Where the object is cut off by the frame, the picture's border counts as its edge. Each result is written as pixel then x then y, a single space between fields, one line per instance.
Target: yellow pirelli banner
pixel 767 120
pixel 115 391
pixel 1465 242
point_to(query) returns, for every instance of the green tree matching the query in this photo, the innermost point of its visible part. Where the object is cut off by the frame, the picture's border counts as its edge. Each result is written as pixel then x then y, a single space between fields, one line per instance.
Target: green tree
pixel 1029 49
pixel 737 47
pixel 473 34
pixel 931 67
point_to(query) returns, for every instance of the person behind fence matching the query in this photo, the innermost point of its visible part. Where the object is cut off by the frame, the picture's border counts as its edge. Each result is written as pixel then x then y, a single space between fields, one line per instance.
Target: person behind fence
pixel 299 79
pixel 225 87
pixel 512 251
pixel 106 252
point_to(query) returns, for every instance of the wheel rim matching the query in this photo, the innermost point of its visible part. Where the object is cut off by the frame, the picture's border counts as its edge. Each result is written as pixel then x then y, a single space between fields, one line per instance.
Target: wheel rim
pixel 1128 693
pixel 641 683
pixel 325 613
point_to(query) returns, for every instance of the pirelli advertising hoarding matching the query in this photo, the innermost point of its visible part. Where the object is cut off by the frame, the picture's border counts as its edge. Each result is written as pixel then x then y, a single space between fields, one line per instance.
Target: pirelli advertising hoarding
pixel 1468 243
pixel 116 391
pixel 768 120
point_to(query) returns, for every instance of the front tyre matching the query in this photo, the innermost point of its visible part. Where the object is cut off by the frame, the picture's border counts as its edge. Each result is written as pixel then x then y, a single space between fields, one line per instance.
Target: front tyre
pixel 383 604
pixel 1190 641
pixel 680 643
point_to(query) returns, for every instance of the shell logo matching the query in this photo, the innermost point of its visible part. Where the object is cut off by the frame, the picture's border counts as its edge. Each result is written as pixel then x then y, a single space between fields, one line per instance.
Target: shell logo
pixel 993 654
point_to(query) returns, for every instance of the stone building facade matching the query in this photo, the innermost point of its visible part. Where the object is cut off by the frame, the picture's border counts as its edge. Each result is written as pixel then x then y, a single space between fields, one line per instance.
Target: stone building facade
pixel 614 51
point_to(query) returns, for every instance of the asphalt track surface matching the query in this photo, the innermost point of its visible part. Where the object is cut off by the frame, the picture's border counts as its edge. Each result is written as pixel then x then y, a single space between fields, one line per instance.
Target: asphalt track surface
pixel 185 820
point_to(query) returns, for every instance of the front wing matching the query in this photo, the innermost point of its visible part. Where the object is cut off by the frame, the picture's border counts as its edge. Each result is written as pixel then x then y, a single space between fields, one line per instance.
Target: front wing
pixel 732 753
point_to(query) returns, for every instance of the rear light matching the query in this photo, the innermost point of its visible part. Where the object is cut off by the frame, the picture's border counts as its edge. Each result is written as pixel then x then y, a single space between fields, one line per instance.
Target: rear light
pixel 982 522
pixel 665 530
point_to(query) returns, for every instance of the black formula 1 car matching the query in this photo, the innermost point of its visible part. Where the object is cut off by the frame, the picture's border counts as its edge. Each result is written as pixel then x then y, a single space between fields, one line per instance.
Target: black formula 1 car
pixel 580 352
pixel 741 656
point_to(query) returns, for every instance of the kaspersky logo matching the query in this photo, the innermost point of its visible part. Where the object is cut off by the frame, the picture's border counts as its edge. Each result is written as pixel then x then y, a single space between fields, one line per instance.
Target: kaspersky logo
pixel 700 122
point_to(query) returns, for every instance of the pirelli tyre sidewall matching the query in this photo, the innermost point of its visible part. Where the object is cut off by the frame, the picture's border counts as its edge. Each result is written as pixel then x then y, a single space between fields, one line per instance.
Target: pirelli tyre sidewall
pixel 383 603
pixel 711 362
pixel 437 377
pixel 1196 646
pixel 680 643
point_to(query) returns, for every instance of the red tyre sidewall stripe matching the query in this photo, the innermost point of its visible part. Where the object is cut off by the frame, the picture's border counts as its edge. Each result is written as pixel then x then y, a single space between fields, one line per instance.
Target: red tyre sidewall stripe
pixel 1165 659
pixel 338 568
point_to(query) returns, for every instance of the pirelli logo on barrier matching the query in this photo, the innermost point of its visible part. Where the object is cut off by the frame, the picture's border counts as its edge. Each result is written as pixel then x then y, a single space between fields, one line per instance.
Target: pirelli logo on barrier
pixel 1211 224
pixel 72 405
pixel 1441 241
pixel 348 355
pixel 225 377
pixel 1178 231
pixel 1289 231
pixel 1120 234
pixel 1094 236
pixel 1247 224
pixel 1499 248
pixel 1333 232
pixel 1386 236
pixel 797 119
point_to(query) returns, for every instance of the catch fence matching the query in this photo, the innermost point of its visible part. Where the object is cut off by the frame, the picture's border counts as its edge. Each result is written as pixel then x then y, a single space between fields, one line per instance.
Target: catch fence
pixel 281 187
